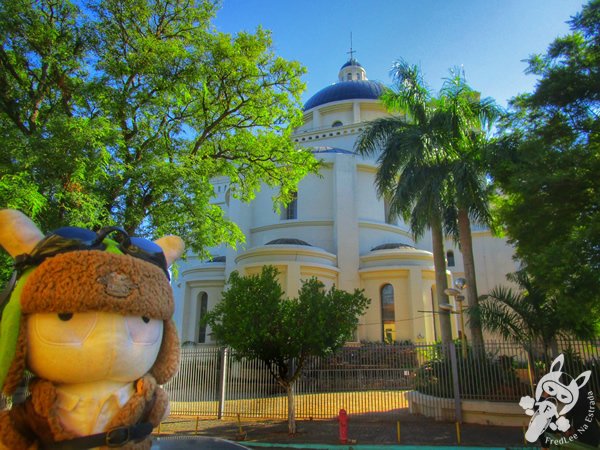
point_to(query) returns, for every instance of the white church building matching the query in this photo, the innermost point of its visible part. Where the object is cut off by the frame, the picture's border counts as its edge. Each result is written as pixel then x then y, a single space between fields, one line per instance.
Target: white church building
pixel 338 230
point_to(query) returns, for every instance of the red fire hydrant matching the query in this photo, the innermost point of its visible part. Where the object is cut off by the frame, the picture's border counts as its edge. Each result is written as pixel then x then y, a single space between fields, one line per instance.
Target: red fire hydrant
pixel 343 420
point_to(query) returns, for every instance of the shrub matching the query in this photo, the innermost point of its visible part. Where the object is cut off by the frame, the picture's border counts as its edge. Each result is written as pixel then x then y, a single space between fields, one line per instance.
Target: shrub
pixel 480 378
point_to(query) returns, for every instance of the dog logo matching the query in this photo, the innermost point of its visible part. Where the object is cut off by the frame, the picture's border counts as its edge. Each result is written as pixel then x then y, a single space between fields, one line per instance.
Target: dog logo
pixel 556 388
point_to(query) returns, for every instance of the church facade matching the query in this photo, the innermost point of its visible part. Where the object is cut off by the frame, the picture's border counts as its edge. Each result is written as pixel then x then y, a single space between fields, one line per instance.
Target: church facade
pixel 338 230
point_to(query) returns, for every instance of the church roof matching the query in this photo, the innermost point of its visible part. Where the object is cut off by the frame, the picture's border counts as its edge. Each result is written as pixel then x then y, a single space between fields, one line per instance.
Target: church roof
pixel 345 90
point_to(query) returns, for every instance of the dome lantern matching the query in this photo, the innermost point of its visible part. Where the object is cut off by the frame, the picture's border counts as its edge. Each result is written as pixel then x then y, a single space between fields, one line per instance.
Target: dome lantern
pixel 352 71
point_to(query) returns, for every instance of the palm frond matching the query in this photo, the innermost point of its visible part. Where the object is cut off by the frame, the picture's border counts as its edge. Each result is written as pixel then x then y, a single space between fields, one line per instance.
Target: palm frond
pixel 497 316
pixel 376 134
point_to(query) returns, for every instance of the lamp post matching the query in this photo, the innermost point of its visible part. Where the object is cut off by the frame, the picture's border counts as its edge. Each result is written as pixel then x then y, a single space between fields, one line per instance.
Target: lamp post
pixel 459 284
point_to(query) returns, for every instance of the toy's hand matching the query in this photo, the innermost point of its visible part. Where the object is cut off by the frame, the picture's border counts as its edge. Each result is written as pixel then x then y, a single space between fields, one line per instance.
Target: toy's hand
pixel 563 423
pixel 527 402
pixel 13 436
pixel 145 387
pixel 139 386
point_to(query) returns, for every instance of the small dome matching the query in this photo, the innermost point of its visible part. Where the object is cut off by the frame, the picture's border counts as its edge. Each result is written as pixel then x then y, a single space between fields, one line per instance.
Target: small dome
pixel 351 62
pixel 288 241
pixel 391 246
pixel 345 90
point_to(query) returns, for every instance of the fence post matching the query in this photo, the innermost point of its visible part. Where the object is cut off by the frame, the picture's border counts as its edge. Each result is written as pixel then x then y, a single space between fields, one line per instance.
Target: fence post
pixel 223 382
pixel 455 384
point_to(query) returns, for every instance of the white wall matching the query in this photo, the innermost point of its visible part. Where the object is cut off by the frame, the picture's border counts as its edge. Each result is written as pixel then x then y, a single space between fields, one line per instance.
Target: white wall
pixel 315 196
pixel 370 207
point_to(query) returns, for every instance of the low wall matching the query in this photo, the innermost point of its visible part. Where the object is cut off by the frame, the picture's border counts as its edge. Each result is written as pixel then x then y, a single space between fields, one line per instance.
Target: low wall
pixel 473 411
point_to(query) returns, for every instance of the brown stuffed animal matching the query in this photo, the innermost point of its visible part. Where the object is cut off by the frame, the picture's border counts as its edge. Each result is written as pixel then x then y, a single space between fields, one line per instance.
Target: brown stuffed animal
pixel 90 316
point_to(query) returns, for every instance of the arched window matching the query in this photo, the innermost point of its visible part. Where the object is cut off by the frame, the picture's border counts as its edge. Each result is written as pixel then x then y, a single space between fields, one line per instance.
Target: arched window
pixel 337 123
pixel 450 258
pixel 290 211
pixel 388 314
pixel 202 309
pixel 389 217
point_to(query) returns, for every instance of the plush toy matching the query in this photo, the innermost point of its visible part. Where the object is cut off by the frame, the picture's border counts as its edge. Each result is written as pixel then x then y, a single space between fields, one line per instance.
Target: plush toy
pixel 90 316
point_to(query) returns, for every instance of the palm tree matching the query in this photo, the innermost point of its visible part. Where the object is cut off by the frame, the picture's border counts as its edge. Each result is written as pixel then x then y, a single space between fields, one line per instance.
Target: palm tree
pixel 529 316
pixel 471 119
pixel 431 167
pixel 410 152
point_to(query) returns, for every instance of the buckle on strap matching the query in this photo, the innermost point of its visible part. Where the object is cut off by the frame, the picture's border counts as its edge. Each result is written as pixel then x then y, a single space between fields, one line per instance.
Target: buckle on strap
pixel 117 437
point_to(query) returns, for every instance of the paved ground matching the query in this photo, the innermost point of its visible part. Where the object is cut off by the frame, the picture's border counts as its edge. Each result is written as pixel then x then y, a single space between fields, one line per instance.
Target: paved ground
pixel 364 429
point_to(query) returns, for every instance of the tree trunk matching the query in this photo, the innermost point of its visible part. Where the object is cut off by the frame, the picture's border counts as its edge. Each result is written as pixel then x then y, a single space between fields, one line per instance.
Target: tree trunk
pixel 466 248
pixel 441 280
pixel 291 408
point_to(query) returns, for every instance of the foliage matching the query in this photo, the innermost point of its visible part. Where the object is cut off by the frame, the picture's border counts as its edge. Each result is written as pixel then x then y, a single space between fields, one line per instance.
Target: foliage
pixel 122 112
pixel 576 364
pixel 435 378
pixel 258 321
pixel 529 315
pixel 408 175
pixel 372 365
pixel 430 165
pixel 546 164
pixel 373 354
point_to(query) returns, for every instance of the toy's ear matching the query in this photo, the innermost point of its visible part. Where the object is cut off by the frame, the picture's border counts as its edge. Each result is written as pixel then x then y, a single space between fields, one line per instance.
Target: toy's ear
pixel 557 363
pixel 18 233
pixel 172 246
pixel 583 378
pixel 167 361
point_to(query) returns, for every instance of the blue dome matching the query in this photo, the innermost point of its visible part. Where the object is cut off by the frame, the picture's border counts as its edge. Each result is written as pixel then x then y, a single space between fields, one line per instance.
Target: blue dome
pixel 345 90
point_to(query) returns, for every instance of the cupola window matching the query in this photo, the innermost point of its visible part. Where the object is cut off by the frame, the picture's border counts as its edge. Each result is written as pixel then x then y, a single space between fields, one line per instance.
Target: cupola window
pixel 387 211
pixel 450 258
pixel 202 309
pixel 388 314
pixel 337 123
pixel 290 212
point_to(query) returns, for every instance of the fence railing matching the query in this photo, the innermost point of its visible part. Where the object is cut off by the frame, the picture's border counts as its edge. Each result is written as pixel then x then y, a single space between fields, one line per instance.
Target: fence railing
pixel 371 378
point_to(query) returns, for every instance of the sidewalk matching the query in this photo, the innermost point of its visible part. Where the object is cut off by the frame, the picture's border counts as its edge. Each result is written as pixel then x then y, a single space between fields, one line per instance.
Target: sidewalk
pixel 373 429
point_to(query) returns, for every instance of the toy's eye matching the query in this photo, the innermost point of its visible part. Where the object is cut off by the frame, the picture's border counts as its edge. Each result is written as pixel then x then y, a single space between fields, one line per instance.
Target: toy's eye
pixel 563 398
pixel 61 328
pixel 146 331
pixel 550 390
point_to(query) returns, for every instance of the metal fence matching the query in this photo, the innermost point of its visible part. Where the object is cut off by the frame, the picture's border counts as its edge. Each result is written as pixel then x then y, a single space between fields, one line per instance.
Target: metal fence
pixel 370 378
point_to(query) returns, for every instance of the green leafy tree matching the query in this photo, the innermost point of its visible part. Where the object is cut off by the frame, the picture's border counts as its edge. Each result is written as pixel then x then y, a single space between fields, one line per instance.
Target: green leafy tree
pixel 546 165
pixel 118 112
pixel 259 322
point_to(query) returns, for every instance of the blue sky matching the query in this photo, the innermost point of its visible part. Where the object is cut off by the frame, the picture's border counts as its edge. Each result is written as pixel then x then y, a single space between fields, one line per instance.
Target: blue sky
pixel 489 38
